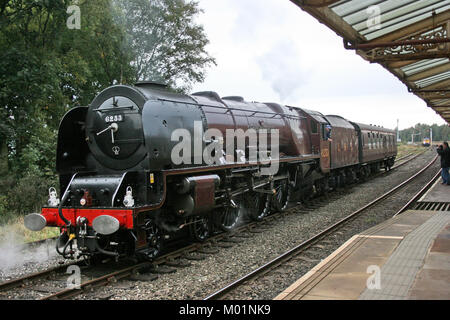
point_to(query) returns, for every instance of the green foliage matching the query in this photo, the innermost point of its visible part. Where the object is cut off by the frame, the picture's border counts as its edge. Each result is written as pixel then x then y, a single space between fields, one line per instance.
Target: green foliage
pixel 47 68
pixel 23 196
pixel 421 131
pixel 4 216
pixel 168 45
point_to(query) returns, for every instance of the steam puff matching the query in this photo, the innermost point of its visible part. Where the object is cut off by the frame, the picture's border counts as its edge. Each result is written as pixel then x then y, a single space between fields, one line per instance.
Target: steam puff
pixel 282 68
pixel 15 254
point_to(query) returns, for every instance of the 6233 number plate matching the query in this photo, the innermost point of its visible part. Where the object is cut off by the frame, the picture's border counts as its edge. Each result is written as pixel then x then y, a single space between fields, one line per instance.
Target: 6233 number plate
pixel 114 118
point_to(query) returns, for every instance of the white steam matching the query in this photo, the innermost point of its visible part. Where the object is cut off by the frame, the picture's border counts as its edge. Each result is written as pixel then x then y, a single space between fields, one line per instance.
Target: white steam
pixel 282 67
pixel 15 254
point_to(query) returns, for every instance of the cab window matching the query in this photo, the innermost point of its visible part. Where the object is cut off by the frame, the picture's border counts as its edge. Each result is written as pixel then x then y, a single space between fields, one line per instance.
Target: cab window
pixel 314 125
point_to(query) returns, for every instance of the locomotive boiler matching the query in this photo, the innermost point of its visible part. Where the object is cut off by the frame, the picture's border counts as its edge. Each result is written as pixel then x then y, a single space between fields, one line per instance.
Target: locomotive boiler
pixel 142 164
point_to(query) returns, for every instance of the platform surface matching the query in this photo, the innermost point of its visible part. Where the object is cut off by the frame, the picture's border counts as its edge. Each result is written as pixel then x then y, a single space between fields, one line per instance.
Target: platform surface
pixel 438 193
pixel 407 257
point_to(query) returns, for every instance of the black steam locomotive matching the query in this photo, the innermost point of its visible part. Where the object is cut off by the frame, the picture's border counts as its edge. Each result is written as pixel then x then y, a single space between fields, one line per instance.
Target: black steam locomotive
pixel 142 164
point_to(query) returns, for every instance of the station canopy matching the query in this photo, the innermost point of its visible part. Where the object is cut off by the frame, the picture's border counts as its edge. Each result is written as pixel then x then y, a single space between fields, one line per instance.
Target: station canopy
pixel 410 38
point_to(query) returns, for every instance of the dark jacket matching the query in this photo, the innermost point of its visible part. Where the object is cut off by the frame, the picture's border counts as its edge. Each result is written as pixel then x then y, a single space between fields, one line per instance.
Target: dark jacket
pixel 445 156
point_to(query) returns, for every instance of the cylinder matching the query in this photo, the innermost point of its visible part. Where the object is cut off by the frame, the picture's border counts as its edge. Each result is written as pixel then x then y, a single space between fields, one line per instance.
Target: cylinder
pixel 196 194
pixel 188 183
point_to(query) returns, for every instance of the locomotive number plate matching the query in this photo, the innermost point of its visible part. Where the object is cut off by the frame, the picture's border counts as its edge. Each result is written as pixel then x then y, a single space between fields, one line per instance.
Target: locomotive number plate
pixel 114 118
pixel 325 153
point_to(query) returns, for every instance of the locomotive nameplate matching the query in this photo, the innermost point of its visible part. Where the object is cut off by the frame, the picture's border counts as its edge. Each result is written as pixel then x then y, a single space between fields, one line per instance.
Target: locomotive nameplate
pixel 114 118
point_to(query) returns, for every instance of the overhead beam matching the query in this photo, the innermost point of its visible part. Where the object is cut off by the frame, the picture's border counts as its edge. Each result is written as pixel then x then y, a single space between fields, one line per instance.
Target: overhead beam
pixel 327 17
pixel 399 64
pixel 410 56
pixel 397 43
pixel 399 50
pixel 433 95
pixel 440 102
pixel 440 108
pixel 317 3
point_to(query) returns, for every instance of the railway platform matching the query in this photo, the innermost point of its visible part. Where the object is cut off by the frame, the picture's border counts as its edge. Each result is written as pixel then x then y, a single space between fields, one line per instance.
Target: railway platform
pixel 405 257
pixel 438 194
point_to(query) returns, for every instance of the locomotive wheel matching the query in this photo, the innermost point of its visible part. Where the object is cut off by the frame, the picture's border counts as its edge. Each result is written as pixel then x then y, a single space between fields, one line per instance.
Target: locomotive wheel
pixel 281 197
pixel 229 216
pixel 199 228
pixel 256 205
pixel 154 239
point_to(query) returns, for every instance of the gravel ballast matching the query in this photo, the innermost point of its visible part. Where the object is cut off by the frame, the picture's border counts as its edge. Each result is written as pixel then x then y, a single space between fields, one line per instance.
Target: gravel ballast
pixel 206 276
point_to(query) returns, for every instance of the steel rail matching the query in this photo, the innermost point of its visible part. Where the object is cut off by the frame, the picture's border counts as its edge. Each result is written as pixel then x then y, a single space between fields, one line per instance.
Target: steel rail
pixel 419 194
pixel 302 246
pixel 408 160
pixel 128 271
pixel 38 242
pixel 104 280
pixel 14 283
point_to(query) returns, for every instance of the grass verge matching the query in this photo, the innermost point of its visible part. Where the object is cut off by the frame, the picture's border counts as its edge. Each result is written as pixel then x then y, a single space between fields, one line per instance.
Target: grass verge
pixel 17 227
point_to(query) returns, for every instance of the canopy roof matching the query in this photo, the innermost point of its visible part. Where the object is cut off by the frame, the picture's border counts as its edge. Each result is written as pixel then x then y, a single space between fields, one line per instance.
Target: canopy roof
pixel 410 38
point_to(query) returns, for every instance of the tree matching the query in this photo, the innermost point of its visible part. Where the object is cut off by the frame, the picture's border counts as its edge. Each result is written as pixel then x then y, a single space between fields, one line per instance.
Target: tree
pixel 46 68
pixel 29 67
pixel 168 45
pixel 440 133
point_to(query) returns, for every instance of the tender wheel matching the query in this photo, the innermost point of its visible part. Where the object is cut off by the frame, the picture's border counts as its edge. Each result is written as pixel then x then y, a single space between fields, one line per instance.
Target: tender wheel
pixel 362 174
pixel 281 197
pixel 341 179
pixel 257 205
pixel 230 216
pixel 367 171
pixel 199 228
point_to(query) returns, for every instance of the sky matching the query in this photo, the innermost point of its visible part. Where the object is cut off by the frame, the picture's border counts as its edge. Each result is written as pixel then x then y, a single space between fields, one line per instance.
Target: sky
pixel 272 51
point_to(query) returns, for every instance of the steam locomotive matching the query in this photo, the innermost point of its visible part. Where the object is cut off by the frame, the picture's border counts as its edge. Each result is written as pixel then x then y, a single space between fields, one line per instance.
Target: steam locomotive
pixel 142 164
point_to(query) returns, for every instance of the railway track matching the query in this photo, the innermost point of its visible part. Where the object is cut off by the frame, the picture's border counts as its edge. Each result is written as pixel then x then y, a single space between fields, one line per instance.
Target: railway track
pixel 164 264
pixel 407 158
pixel 295 255
pixel 27 279
pixel 414 204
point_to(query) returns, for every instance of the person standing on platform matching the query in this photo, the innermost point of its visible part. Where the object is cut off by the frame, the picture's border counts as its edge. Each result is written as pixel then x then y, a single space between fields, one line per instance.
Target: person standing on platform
pixel 444 151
